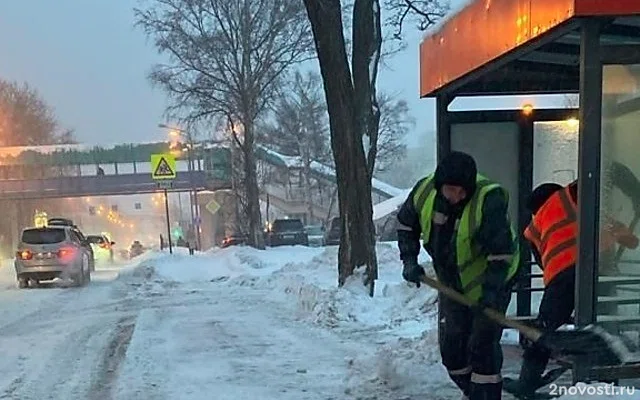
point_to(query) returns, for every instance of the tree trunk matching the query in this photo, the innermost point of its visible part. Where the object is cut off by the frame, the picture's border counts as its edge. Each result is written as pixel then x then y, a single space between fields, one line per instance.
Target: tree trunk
pixel 354 186
pixel 308 194
pixel 367 42
pixel 256 238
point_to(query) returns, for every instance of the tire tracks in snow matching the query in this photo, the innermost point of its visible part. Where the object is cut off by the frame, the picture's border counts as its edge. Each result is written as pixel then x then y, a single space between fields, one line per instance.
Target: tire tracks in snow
pixel 63 370
pixel 102 387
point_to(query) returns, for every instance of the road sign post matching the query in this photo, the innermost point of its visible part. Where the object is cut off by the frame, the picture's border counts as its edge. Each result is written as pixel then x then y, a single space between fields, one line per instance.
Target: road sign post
pixel 166 210
pixel 163 170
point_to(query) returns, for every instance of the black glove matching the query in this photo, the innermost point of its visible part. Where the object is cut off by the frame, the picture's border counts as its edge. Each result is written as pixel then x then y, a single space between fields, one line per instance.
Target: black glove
pixel 412 272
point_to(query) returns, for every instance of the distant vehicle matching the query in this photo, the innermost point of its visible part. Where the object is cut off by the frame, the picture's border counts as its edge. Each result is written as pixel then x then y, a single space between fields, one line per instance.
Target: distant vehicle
pixel 136 249
pixel 61 222
pixel 51 252
pixel 234 240
pixel 287 232
pixel 68 222
pixel 332 234
pixel 315 233
pixel 102 248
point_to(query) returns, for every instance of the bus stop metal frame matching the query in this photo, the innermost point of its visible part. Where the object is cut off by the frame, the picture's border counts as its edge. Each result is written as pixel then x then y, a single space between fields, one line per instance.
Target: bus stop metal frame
pixel 516 47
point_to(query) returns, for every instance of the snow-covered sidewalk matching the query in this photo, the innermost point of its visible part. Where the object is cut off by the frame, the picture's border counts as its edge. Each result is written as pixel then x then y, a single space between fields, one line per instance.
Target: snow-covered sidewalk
pixel 273 324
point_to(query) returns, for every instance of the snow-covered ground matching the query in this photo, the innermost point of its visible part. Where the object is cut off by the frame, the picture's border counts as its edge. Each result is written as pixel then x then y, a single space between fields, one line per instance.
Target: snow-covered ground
pixel 227 324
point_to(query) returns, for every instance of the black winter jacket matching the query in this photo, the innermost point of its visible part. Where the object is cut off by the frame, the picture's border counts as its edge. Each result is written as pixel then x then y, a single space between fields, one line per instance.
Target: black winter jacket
pixel 493 236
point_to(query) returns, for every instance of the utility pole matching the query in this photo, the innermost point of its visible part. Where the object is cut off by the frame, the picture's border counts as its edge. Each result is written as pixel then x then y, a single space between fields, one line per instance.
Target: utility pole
pixel 193 192
pixel 195 209
pixel 166 210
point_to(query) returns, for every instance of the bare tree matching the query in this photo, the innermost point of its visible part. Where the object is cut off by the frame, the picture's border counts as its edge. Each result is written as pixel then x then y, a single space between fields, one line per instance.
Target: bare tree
pixel 299 127
pixel 353 115
pixel 226 59
pixel 423 13
pixel 395 122
pixel 26 119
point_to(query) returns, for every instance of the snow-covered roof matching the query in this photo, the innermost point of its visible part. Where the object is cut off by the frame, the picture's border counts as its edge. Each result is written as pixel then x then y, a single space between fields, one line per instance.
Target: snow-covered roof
pixel 321 169
pixel 454 10
pixel 389 206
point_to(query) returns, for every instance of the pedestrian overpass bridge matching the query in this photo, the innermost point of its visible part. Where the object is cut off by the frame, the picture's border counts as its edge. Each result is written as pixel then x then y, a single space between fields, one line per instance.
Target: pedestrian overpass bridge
pixel 105 185
pixel 60 171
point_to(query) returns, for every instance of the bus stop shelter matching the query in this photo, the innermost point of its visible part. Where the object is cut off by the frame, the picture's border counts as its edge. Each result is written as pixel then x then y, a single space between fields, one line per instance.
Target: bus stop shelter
pixel 534 47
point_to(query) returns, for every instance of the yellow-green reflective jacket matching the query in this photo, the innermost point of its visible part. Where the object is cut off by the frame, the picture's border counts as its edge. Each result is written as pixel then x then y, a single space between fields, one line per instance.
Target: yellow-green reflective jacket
pixel 471 261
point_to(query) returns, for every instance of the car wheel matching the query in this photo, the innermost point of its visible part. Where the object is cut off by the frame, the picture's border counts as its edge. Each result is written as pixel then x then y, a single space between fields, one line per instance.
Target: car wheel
pixel 23 283
pixel 78 278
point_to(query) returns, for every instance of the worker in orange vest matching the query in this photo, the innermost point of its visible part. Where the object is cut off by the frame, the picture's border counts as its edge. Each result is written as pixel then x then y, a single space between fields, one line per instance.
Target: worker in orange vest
pixel 553 234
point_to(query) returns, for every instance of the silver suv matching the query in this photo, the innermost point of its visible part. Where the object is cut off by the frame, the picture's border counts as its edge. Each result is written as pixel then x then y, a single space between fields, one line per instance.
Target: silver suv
pixel 52 252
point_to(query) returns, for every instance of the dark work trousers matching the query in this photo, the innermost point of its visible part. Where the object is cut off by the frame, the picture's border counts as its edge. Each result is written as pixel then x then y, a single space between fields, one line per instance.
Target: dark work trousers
pixel 470 349
pixel 556 308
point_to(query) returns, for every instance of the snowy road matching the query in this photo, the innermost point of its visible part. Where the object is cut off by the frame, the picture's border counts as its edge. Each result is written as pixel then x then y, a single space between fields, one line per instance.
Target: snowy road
pixel 228 325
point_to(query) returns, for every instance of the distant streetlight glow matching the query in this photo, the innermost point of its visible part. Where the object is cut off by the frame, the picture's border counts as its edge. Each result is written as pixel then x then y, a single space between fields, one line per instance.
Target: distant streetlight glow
pixel 527 109
pixel 573 122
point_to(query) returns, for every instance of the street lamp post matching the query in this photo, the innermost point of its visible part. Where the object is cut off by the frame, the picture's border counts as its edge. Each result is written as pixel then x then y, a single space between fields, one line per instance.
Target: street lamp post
pixel 193 194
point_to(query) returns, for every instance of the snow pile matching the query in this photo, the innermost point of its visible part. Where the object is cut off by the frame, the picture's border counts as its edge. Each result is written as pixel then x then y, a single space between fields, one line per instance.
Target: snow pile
pixel 397 308
pixel 402 369
pixel 214 265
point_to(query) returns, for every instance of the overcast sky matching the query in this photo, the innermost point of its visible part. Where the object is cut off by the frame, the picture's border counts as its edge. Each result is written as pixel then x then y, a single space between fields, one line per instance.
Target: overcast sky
pixel 90 64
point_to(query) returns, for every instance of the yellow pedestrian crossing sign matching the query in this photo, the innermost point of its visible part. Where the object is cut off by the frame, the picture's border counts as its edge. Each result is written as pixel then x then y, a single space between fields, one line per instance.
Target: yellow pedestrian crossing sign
pixel 163 166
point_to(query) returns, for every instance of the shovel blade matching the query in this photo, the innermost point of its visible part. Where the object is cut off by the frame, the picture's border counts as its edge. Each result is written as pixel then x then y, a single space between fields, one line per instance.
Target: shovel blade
pixel 601 347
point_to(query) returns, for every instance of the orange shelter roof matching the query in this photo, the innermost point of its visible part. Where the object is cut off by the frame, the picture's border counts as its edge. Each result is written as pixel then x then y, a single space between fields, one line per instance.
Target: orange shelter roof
pixel 486 30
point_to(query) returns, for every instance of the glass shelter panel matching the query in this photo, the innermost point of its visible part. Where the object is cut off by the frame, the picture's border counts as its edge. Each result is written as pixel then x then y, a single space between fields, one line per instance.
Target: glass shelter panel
pixel 555 159
pixel 494 145
pixel 619 258
pixel 555 152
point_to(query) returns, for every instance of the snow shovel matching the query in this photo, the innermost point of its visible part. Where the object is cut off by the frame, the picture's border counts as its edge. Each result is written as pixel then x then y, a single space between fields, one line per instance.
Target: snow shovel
pixel 591 340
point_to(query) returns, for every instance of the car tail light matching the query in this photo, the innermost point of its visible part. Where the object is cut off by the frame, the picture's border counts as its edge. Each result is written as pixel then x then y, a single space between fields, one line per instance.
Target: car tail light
pixel 24 255
pixel 66 253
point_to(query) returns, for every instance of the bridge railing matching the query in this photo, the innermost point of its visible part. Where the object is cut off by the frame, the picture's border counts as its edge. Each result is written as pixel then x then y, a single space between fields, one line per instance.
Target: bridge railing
pixel 27 172
pixel 102 185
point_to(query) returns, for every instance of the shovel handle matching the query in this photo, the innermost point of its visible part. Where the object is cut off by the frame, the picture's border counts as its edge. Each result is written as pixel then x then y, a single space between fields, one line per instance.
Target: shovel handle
pixel 528 331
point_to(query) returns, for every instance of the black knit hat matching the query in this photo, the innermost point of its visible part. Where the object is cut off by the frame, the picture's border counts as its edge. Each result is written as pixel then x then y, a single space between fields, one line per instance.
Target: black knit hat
pixel 540 195
pixel 458 169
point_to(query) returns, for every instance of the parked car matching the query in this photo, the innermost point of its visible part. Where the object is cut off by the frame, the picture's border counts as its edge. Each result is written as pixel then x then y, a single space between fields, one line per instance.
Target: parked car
pixel 84 241
pixel 332 234
pixel 315 233
pixel 234 240
pixel 102 248
pixel 51 252
pixel 287 232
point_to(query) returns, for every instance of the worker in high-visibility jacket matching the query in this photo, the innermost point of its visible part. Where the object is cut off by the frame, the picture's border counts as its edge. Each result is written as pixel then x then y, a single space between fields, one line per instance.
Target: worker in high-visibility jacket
pixel 462 218
pixel 553 234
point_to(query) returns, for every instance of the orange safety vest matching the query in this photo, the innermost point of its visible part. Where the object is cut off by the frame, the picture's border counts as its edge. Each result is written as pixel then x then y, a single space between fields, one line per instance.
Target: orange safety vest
pixel 554 233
